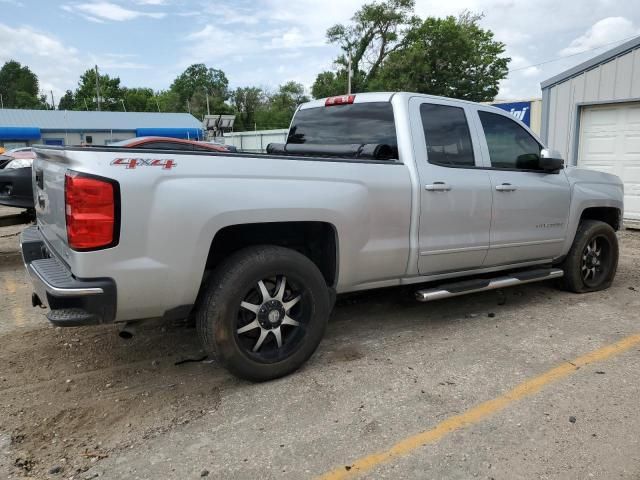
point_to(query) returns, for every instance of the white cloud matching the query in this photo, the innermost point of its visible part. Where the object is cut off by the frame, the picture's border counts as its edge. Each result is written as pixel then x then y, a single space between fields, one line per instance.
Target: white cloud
pixel 58 66
pixel 42 53
pixel 602 33
pixel 101 11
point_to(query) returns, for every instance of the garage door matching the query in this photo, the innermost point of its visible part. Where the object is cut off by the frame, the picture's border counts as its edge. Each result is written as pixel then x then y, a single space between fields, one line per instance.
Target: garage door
pixel 610 142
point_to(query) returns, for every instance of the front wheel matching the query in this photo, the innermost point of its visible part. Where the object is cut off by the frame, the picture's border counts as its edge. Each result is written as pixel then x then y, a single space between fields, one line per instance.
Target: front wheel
pixel 593 259
pixel 264 312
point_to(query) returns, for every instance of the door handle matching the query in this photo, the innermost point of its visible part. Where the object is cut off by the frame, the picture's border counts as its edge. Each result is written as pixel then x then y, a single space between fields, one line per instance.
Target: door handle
pixel 437 187
pixel 506 187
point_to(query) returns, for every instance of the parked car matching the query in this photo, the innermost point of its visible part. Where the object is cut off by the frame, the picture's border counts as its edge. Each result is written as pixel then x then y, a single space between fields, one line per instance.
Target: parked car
pixel 15 178
pixel 167 143
pixel 371 190
pixel 15 175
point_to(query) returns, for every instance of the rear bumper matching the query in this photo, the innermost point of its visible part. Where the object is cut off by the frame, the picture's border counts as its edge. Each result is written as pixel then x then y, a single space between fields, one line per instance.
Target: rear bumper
pixel 72 301
pixel 15 188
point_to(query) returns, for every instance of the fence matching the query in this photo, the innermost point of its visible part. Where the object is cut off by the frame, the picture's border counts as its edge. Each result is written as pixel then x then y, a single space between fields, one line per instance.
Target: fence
pixel 255 141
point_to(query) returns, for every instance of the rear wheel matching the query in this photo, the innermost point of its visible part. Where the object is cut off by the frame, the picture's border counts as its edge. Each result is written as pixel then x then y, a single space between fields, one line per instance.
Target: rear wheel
pixel 264 312
pixel 593 259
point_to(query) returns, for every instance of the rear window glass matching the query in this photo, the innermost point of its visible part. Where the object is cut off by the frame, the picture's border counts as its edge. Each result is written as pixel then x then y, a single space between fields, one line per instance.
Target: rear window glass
pixel 357 123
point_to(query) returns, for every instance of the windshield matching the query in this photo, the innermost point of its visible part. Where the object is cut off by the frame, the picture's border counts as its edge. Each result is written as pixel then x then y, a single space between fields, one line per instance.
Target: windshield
pixel 358 123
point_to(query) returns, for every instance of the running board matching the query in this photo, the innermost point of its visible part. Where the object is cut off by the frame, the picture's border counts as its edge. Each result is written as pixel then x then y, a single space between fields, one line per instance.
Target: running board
pixel 482 284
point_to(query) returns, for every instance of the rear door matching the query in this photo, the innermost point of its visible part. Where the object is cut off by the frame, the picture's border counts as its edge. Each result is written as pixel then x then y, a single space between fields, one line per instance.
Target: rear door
pixel 530 206
pixel 455 197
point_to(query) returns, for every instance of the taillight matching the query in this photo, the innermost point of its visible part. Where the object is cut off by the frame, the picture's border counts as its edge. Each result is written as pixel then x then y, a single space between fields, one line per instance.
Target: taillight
pixel 90 210
pixel 339 100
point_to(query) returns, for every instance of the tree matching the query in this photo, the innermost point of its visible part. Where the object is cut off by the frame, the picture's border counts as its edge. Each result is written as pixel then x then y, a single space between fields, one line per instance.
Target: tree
pixel 246 102
pixel 329 84
pixel 452 57
pixel 278 107
pixel 169 101
pixel 289 96
pixel 19 87
pixel 392 49
pixel 196 83
pixel 67 101
pixel 111 94
pixel 375 32
pixel 139 100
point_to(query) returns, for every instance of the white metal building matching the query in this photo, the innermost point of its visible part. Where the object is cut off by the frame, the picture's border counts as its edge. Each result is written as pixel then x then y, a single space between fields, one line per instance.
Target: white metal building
pixel 591 115
pixel 255 141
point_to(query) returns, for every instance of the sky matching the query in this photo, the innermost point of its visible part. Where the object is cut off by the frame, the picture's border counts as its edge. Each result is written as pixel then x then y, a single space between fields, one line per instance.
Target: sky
pixel 268 42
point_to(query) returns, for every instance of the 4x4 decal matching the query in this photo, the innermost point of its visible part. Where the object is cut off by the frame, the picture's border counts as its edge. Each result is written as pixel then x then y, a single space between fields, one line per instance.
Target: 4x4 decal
pixel 131 163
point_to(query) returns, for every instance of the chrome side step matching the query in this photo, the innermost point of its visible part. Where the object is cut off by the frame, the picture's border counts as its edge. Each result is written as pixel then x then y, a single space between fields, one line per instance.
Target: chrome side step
pixel 482 284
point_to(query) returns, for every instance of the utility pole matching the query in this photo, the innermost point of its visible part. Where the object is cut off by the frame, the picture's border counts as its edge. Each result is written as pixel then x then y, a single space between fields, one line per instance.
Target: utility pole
pixel 123 107
pixel 207 94
pixel 1 102
pixel 350 73
pixel 53 102
pixel 188 106
pixel 97 88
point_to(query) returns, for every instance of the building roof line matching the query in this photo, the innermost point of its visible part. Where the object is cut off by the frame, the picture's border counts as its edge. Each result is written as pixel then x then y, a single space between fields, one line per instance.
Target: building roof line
pixel 60 120
pixel 592 62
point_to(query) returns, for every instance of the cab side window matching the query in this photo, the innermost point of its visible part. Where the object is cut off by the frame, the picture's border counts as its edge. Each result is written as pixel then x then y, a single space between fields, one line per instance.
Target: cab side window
pixel 447 135
pixel 510 145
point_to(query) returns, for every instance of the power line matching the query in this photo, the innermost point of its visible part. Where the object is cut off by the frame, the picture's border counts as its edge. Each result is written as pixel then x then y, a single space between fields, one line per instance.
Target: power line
pixel 569 56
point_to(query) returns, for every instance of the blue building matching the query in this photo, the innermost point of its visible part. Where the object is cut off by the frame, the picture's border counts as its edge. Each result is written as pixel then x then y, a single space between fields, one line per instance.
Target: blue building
pixel 20 128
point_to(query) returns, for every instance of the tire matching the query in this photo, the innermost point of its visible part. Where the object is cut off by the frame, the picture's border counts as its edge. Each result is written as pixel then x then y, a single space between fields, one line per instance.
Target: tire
pixel 237 324
pixel 581 273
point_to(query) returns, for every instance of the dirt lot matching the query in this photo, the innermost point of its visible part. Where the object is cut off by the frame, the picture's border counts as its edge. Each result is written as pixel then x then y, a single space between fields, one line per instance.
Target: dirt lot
pixel 83 403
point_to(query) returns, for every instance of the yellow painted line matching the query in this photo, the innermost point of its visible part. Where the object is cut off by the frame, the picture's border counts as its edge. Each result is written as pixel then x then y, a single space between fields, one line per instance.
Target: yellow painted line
pixel 479 412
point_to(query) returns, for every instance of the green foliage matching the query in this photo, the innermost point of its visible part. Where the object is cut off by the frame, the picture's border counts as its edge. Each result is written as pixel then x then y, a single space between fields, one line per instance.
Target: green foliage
pixel 196 83
pixel 139 100
pixel 451 57
pixel 19 87
pixel 67 101
pixel 329 84
pixel 111 93
pixel 262 110
pixel 373 34
pixel 246 102
pixel 393 50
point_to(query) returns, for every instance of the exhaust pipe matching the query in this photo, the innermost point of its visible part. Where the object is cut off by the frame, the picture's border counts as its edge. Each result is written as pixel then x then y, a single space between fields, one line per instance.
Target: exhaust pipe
pixel 127 330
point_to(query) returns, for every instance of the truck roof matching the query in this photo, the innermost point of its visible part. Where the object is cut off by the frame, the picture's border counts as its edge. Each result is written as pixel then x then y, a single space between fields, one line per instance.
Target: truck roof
pixel 381 97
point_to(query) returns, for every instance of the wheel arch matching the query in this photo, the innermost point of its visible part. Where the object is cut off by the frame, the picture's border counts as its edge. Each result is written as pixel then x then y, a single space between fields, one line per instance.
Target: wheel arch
pixel 317 240
pixel 609 215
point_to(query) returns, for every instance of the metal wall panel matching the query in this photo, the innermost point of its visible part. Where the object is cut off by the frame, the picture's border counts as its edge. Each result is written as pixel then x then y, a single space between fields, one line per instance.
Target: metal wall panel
pixel 592 79
pixel 624 72
pixel 635 81
pixel 615 80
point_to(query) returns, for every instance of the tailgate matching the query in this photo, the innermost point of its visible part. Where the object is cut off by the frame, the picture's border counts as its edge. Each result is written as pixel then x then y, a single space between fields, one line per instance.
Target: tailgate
pixel 48 178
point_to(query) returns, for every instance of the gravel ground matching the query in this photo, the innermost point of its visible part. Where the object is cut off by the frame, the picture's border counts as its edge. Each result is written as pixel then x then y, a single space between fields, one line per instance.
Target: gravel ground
pixel 83 403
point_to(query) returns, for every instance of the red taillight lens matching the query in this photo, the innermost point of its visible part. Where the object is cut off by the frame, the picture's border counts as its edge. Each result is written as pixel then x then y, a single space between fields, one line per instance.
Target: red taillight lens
pixel 340 100
pixel 90 205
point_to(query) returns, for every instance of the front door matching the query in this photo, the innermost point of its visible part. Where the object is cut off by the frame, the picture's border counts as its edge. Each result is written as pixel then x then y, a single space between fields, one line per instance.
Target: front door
pixel 455 192
pixel 530 206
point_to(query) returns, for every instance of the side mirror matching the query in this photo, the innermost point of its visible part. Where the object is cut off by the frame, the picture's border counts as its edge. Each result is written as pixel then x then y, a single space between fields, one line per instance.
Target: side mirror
pixel 550 161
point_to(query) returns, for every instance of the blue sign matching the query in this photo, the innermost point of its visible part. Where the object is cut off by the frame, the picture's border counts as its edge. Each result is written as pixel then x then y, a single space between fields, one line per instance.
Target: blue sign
pixel 520 110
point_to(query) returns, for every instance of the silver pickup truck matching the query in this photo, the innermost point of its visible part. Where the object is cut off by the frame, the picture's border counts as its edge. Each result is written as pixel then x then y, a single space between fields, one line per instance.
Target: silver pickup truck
pixel 371 190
